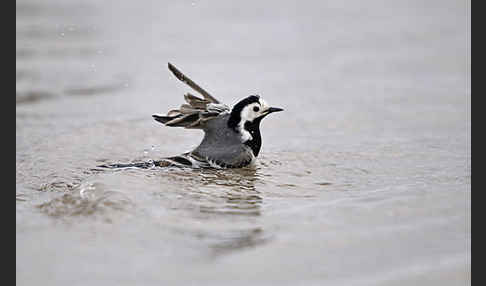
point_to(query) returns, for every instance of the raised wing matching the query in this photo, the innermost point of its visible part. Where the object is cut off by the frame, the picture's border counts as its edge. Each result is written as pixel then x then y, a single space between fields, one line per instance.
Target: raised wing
pixel 192 84
pixel 197 110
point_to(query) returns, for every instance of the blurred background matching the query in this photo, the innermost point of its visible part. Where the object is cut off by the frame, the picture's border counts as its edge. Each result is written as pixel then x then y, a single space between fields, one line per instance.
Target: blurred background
pixel 363 180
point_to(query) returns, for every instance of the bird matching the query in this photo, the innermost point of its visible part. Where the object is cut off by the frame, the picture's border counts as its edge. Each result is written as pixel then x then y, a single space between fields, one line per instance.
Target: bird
pixel 232 137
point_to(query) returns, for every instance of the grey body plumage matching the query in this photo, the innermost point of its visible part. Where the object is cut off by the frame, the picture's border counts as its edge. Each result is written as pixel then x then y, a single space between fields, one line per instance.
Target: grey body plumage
pixel 232 137
pixel 222 146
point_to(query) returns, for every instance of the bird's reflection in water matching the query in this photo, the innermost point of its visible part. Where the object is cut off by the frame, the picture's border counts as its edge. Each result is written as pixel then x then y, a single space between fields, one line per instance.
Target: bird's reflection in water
pixel 240 194
pixel 225 192
pixel 228 201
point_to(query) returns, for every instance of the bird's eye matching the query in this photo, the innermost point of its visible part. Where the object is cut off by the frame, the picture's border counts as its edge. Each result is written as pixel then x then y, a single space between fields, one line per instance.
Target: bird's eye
pixel 256 108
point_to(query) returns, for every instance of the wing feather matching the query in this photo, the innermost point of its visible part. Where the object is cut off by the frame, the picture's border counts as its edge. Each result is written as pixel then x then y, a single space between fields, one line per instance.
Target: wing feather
pixel 196 111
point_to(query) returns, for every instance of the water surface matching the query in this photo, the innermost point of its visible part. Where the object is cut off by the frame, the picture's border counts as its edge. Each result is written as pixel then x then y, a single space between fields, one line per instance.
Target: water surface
pixel 364 179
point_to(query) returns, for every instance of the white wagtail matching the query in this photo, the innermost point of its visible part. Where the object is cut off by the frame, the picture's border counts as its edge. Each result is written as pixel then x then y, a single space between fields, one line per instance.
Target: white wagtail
pixel 232 137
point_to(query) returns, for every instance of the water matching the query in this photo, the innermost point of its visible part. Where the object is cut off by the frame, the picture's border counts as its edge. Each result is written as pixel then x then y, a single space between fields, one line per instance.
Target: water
pixel 364 179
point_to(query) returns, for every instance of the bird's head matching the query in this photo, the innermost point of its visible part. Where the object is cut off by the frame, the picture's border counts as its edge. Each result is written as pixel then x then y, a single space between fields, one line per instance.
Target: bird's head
pixel 249 112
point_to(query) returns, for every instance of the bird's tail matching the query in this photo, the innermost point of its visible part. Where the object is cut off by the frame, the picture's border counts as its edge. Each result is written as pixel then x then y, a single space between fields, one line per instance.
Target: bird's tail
pixel 143 165
pixel 184 160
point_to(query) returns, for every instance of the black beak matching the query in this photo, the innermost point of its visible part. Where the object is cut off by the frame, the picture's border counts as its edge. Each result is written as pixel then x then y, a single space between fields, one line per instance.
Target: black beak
pixel 274 109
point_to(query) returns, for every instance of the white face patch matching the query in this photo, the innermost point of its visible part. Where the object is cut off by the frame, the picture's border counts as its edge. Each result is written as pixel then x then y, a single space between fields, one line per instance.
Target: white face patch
pixel 254 110
pixel 249 113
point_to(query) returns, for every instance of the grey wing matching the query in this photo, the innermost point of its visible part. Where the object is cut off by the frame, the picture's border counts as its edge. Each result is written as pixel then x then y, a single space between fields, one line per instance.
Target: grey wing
pixel 194 114
pixel 196 111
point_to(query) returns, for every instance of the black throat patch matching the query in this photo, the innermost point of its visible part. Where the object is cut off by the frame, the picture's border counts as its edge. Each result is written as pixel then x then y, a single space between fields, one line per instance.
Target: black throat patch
pixel 255 143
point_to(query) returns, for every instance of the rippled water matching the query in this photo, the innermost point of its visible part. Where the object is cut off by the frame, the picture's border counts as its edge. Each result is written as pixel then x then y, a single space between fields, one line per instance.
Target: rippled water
pixel 364 179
